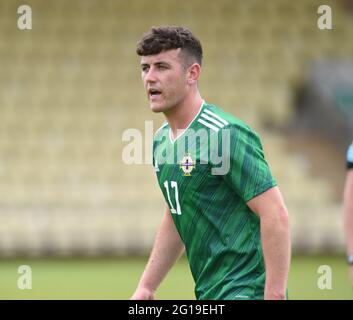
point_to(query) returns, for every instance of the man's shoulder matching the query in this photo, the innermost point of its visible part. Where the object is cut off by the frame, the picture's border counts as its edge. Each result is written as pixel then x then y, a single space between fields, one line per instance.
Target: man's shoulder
pixel 228 120
pixel 162 130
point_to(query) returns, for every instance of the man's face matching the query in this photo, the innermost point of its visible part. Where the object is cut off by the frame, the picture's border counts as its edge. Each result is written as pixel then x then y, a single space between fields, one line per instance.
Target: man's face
pixel 164 79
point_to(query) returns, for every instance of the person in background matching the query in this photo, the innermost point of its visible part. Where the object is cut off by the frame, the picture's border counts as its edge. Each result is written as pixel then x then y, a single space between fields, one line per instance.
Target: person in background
pixel 348 210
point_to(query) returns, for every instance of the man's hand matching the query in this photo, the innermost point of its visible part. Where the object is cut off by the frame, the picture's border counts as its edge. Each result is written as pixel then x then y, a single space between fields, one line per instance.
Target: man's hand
pixel 143 294
pixel 167 249
pixel 274 296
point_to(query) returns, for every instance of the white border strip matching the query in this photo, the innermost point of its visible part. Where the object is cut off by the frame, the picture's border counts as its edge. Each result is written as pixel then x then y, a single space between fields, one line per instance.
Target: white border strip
pixel 208 125
pixel 216 116
pixel 220 124
pixel 160 128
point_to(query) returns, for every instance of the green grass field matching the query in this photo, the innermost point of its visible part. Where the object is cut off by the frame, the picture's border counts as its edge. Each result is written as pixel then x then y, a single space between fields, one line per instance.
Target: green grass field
pixel 116 278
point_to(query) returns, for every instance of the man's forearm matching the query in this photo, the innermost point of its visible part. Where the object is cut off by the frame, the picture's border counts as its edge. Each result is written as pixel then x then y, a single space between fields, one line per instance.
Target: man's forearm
pixel 348 211
pixel 276 249
pixel 167 248
pixel 348 225
pixel 275 237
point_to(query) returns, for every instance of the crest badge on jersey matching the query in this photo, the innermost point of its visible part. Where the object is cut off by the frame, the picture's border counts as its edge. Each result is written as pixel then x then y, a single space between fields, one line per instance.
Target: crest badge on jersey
pixel 187 165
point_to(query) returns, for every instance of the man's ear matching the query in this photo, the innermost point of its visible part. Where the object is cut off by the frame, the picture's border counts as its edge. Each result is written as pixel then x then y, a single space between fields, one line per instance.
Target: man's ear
pixel 194 73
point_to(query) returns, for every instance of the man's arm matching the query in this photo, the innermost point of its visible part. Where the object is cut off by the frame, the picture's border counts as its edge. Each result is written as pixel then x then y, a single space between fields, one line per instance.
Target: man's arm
pixel 348 215
pixel 275 237
pixel 167 249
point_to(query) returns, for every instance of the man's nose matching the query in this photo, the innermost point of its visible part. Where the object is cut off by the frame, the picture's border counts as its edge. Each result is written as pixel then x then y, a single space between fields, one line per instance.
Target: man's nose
pixel 150 76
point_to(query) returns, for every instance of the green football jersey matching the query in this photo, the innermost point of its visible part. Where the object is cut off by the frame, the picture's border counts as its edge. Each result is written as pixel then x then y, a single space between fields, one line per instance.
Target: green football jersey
pixel 207 175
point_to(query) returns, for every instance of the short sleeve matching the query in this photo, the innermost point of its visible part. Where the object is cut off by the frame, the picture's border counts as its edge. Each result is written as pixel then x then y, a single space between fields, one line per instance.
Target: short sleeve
pixel 350 157
pixel 249 173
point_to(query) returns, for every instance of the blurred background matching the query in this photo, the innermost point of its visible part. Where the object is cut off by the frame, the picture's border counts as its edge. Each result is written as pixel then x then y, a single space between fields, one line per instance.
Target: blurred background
pixel 83 219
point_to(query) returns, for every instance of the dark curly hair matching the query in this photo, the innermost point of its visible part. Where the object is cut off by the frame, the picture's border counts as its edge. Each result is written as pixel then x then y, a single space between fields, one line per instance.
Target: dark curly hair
pixel 159 39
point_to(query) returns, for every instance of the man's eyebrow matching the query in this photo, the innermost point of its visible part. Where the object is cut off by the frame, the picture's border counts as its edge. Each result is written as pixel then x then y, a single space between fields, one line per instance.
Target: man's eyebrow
pixel 155 63
pixel 161 62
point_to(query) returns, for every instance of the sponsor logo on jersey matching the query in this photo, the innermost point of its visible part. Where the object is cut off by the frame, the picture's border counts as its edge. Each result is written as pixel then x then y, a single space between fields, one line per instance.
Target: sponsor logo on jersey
pixel 187 165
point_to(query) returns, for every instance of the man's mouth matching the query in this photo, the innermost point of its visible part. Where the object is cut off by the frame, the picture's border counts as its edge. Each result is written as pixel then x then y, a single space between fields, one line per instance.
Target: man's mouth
pixel 154 93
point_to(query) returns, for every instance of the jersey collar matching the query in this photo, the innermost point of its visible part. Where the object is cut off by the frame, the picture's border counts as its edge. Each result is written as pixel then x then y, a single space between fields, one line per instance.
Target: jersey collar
pixel 191 122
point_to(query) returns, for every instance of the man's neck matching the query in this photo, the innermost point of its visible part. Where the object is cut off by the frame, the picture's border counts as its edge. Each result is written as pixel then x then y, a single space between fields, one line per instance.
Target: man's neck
pixel 181 116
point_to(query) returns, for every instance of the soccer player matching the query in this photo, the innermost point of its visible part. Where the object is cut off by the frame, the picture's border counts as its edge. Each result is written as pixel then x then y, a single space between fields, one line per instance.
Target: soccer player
pixel 227 214
pixel 348 210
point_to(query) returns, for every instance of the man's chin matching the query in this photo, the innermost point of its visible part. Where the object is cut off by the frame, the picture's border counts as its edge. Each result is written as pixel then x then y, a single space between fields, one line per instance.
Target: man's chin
pixel 157 108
